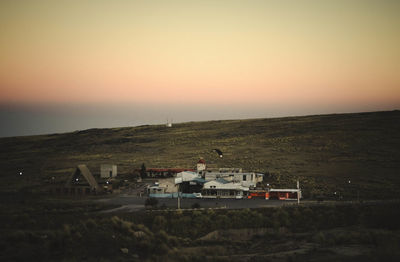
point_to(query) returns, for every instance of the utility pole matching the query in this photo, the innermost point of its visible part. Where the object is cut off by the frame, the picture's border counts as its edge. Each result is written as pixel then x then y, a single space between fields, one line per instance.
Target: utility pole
pixel 179 199
pixel 298 192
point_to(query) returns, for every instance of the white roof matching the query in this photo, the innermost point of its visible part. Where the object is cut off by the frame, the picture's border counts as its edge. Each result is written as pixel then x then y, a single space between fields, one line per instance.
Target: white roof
pixel 222 174
pixel 185 176
pixel 284 190
pixel 231 185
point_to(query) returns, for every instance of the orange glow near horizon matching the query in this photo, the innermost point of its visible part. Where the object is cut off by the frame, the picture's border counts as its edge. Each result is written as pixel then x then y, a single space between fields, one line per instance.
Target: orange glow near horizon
pixel 201 52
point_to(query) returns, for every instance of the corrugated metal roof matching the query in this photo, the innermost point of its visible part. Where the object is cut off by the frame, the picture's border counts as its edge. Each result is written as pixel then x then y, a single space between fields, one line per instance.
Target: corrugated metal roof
pixel 222 181
pixel 200 180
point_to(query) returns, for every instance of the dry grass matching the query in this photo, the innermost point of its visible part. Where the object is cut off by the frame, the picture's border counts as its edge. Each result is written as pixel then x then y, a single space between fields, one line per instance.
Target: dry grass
pixel 324 152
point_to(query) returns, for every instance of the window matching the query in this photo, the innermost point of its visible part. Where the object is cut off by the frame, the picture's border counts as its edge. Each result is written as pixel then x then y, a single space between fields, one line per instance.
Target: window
pixel 244 177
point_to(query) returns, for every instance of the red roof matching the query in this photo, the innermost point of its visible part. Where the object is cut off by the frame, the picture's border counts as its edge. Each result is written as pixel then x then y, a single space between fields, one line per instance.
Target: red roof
pixel 201 161
pixel 172 170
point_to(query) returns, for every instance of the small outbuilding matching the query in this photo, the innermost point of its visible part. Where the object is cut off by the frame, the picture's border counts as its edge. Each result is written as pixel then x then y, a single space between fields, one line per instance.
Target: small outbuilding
pixel 81 181
pixel 108 171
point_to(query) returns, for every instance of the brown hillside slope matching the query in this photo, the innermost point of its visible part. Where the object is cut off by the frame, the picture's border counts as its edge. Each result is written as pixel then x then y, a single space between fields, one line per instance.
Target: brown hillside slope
pixel 323 151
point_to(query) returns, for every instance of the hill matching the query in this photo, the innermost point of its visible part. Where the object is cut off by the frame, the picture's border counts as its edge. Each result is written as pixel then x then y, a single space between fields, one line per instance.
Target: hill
pixel 323 151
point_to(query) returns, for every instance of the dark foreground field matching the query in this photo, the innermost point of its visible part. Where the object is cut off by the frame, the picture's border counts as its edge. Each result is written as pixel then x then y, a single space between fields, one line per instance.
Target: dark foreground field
pixel 324 152
pixel 39 228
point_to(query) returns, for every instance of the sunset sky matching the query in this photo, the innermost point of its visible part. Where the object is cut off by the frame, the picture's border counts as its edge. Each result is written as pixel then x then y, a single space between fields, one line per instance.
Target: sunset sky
pixel 68 65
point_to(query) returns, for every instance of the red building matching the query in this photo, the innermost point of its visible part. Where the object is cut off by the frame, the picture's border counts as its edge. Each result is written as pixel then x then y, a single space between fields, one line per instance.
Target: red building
pixel 284 194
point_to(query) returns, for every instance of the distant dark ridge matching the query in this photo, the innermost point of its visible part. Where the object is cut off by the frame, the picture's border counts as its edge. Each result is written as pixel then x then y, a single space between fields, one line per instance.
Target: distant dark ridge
pixel 99 129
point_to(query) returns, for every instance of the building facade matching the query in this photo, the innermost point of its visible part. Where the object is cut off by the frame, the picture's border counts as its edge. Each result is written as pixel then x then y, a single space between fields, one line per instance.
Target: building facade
pixel 108 171
pixel 221 188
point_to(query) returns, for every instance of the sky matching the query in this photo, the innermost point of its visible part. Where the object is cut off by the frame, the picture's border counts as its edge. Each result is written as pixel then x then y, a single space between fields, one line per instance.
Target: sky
pixel 72 65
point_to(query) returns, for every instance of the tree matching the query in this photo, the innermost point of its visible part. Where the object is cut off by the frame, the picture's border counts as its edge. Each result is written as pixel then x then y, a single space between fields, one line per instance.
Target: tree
pixel 143 173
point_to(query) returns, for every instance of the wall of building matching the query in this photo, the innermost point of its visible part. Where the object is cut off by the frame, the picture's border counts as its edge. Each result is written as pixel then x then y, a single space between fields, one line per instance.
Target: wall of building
pixel 201 166
pixel 108 171
pixel 169 185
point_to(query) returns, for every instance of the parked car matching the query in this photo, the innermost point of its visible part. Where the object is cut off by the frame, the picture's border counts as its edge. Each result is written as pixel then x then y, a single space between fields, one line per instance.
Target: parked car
pixel 198 195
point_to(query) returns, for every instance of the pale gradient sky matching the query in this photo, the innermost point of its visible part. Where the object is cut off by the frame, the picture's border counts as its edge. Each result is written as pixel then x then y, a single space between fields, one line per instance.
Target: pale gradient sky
pixel 221 59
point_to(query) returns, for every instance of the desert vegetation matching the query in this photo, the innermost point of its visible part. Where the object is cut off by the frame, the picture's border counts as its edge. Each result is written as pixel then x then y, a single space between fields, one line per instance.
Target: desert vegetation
pixel 72 230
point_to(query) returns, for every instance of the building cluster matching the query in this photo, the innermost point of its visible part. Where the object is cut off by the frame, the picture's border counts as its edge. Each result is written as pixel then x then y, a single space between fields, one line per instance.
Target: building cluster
pixel 219 183
pixel 201 182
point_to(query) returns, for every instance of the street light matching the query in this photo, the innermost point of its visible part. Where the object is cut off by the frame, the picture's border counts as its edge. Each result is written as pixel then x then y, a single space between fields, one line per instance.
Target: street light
pixel 349 189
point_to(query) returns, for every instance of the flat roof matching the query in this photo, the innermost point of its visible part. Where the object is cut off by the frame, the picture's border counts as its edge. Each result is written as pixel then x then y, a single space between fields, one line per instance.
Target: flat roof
pixel 284 190
pixel 169 169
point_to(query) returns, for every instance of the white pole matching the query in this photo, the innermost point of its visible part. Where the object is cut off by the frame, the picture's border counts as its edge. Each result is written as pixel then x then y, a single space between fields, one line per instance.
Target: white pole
pixel 179 200
pixel 298 192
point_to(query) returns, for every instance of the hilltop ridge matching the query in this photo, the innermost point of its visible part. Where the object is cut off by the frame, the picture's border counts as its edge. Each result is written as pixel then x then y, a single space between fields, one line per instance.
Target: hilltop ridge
pixel 323 151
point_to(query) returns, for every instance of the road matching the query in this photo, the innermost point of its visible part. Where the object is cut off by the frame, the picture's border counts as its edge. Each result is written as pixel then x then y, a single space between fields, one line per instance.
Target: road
pixel 131 203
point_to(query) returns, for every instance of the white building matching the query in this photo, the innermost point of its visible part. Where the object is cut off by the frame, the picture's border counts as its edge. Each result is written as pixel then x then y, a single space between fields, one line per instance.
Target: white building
pixel 108 171
pixel 186 176
pixel 163 186
pixel 230 174
pixel 245 179
pixel 224 189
